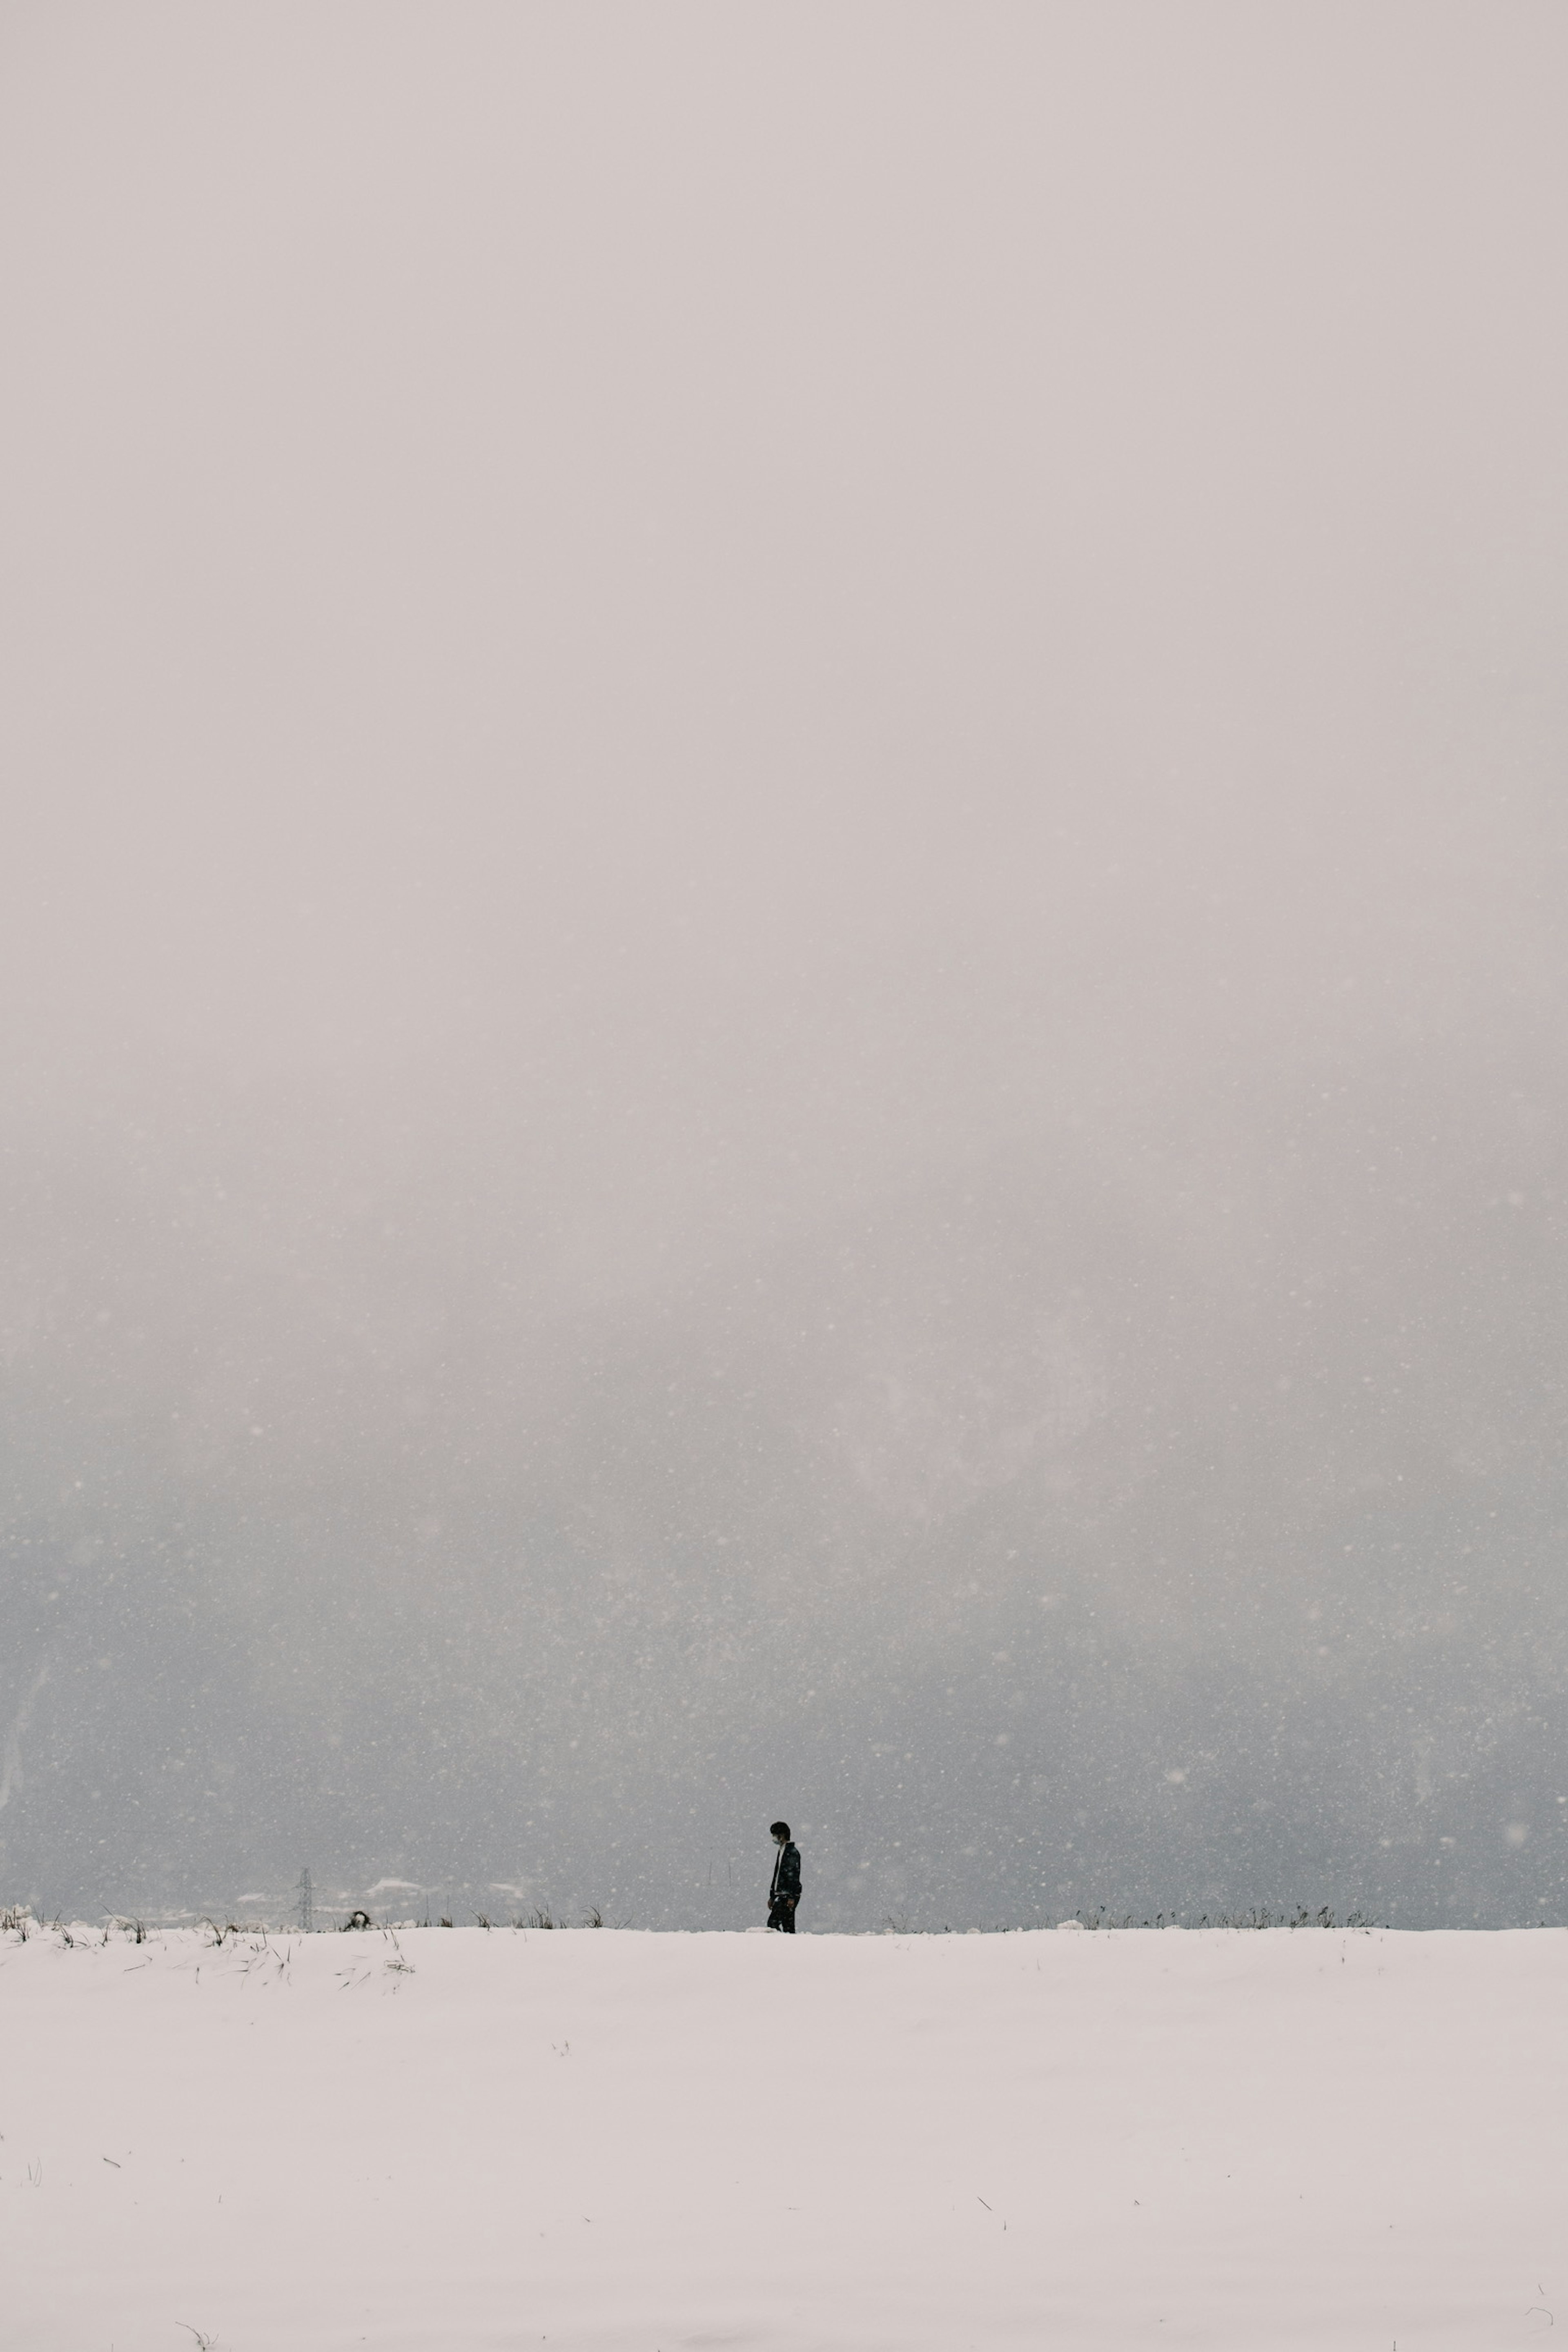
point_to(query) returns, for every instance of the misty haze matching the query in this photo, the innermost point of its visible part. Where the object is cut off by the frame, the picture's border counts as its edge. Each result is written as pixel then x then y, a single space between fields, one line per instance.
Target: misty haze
pixel 783 961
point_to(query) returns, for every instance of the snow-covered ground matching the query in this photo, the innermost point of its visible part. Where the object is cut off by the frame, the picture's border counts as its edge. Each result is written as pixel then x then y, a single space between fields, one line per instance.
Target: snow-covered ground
pixel 456 2140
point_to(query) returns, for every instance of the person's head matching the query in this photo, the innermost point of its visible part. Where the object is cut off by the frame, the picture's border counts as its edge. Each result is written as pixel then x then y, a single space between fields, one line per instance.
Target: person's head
pixel 781 1831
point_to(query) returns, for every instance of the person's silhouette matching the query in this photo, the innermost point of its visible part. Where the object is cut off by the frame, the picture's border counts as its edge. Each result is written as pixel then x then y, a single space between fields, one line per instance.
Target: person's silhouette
pixel 784 1892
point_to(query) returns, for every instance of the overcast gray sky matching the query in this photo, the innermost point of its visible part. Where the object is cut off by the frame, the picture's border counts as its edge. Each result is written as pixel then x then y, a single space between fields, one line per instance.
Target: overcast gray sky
pixel 782 956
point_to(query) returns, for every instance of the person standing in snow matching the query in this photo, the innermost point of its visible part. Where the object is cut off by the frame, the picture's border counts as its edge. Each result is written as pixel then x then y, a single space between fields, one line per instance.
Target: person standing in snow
pixel 784 1892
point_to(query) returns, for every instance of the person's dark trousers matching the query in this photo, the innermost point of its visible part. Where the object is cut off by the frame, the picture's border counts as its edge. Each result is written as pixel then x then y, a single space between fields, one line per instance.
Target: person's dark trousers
pixel 781 1913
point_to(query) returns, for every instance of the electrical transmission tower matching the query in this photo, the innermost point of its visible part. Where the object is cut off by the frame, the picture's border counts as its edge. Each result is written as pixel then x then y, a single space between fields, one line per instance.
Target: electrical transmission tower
pixel 307 1913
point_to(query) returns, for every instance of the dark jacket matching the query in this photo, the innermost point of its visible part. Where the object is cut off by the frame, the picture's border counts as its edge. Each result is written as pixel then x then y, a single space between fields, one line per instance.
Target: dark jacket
pixel 785 1887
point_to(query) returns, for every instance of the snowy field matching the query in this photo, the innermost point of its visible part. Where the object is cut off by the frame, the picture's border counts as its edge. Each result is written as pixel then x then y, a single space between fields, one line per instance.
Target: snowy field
pixel 459 2140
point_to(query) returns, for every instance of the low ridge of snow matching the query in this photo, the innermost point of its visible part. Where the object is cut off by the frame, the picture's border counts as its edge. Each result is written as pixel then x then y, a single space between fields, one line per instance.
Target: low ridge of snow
pixel 460 2140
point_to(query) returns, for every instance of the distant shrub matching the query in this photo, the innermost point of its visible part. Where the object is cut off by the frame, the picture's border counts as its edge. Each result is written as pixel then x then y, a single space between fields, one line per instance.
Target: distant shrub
pixel 1259 1916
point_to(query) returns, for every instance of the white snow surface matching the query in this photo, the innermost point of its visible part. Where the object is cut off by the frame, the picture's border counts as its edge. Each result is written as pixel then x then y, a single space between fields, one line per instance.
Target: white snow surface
pixel 459 2139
